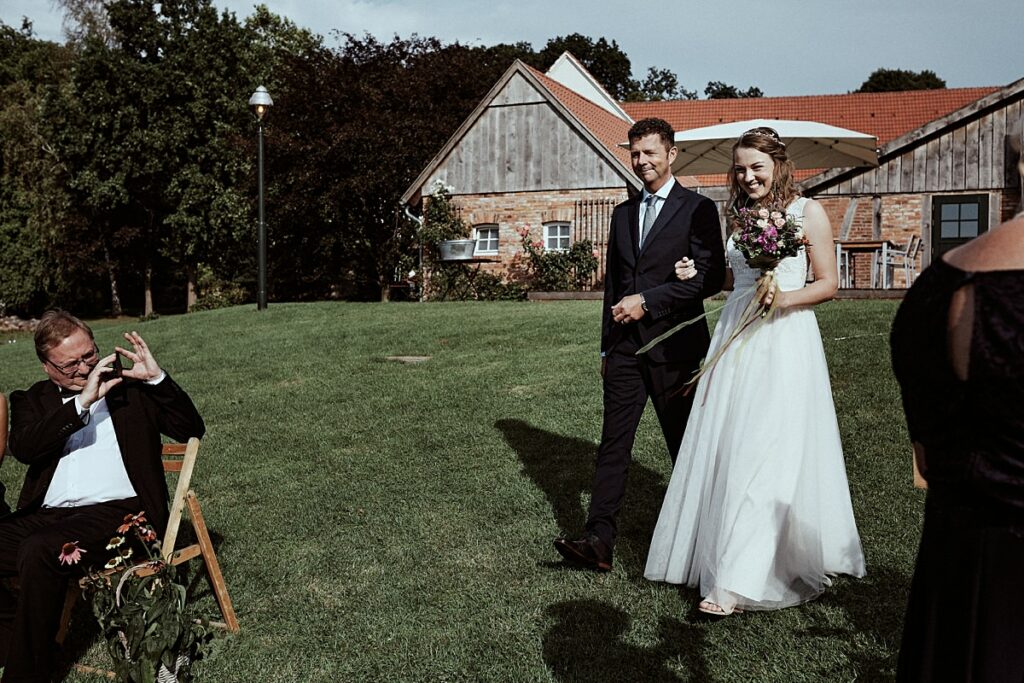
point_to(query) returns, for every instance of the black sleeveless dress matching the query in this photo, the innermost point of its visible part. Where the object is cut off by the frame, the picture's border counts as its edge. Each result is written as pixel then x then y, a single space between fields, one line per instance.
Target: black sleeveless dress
pixel 965 617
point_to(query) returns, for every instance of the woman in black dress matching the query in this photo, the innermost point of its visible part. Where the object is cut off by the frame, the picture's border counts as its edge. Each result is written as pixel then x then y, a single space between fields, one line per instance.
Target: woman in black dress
pixel 958 353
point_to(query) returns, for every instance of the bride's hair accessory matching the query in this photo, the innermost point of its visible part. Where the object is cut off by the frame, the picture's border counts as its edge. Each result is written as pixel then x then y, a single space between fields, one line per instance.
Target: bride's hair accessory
pixel 765 132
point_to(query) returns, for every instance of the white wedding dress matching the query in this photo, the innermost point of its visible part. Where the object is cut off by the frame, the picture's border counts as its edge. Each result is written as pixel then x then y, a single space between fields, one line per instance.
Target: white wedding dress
pixel 758 512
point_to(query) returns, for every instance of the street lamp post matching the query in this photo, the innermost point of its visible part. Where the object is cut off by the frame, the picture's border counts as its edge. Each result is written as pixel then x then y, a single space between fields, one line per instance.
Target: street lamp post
pixel 260 103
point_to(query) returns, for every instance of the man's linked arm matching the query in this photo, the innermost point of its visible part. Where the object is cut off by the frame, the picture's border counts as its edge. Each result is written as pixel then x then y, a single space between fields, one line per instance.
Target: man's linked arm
pixel 708 254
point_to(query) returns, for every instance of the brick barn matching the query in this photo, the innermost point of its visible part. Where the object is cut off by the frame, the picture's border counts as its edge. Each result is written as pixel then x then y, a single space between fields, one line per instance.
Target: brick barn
pixel 544 151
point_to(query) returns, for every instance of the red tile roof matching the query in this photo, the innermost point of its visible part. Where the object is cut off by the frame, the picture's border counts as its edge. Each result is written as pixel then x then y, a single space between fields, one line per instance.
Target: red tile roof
pixel 606 127
pixel 887 115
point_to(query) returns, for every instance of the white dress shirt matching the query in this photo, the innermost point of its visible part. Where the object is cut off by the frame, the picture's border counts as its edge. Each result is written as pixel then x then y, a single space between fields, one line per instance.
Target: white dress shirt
pixel 661 194
pixel 91 469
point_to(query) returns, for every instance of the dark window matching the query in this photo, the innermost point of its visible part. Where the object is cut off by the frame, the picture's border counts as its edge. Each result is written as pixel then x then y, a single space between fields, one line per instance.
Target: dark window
pixel 957 219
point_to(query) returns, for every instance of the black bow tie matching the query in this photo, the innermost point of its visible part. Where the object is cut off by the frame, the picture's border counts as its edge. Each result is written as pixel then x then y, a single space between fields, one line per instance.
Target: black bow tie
pixel 67 393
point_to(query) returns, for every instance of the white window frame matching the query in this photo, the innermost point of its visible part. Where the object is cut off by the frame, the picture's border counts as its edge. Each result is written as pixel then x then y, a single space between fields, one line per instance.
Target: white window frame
pixel 494 236
pixel 557 236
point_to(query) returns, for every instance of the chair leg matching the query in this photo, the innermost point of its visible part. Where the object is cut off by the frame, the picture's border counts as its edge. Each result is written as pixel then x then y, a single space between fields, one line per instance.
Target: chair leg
pixel 220 589
pixel 69 606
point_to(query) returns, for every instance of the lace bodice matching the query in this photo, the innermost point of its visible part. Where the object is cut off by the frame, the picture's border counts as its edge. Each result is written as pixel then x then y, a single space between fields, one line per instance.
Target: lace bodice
pixel 973 429
pixel 791 272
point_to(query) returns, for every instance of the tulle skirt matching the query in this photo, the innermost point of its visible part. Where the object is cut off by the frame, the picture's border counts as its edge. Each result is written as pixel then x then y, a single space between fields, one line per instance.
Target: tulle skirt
pixel 757 512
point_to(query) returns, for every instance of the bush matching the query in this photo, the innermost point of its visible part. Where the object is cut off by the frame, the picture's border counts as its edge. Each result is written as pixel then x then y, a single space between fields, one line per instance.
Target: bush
pixel 558 271
pixel 440 220
pixel 213 292
pixel 456 282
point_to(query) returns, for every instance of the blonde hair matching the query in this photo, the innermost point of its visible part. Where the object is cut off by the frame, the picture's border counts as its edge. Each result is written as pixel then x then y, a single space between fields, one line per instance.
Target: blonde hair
pixel 783 190
pixel 54 327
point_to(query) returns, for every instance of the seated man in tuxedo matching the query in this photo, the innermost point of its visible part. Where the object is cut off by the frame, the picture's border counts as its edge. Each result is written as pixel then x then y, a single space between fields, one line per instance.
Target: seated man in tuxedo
pixel 90 435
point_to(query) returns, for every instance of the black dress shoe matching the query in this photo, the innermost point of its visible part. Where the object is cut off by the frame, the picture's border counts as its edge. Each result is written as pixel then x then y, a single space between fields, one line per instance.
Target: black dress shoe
pixel 589 552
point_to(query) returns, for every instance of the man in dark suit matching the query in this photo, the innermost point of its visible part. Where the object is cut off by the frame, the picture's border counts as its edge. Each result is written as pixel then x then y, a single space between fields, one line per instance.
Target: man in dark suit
pixel 642 299
pixel 90 435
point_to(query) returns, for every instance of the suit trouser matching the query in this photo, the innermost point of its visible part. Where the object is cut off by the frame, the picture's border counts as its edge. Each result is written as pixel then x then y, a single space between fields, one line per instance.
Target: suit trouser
pixel 30 542
pixel 629 380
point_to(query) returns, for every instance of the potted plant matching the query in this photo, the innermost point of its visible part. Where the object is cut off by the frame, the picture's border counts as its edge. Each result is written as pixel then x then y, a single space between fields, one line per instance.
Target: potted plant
pixel 443 227
pixel 141 608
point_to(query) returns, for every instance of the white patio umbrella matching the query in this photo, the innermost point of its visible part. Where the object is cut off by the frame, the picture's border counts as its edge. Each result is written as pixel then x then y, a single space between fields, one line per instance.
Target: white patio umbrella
pixel 809 144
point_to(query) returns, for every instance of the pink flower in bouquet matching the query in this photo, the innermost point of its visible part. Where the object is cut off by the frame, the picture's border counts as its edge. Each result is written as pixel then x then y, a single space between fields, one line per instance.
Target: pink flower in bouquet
pixel 70 553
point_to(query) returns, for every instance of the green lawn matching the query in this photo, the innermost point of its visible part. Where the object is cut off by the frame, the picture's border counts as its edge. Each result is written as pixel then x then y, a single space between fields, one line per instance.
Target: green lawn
pixel 383 521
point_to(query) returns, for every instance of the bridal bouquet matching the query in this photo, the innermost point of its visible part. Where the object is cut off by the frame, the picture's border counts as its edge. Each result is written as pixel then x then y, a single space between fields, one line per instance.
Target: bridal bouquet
pixel 764 237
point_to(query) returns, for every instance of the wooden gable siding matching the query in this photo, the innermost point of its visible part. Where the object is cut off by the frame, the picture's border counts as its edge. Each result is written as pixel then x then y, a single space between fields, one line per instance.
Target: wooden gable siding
pixel 520 143
pixel 970 156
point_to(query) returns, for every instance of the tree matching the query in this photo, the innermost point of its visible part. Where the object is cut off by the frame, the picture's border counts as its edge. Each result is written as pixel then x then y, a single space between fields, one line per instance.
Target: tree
pixel 890 80
pixel 85 19
pixel 604 60
pixel 340 161
pixel 157 169
pixel 660 84
pixel 35 209
pixel 717 90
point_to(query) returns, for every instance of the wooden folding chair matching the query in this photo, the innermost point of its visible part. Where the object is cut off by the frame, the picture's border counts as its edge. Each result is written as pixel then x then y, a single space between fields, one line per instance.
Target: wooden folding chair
pixel 180 458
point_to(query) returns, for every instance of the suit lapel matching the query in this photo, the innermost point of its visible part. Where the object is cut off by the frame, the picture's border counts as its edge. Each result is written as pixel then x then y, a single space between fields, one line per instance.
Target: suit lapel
pixel 634 227
pixel 50 397
pixel 673 203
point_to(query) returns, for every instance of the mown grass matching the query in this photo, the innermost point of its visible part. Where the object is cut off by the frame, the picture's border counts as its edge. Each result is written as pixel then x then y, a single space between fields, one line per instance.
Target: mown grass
pixel 381 521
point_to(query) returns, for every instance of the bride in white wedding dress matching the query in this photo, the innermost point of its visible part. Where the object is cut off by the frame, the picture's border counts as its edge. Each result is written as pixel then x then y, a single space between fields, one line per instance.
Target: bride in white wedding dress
pixel 758 513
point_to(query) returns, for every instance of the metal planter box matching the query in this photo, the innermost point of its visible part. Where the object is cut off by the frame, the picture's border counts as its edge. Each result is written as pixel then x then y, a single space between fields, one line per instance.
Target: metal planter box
pixel 456 250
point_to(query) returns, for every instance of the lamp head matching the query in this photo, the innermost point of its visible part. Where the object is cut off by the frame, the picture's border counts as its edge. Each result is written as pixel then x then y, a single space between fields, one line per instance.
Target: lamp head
pixel 260 102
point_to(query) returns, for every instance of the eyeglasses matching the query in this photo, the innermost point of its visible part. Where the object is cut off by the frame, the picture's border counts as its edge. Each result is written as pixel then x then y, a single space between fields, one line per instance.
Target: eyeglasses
pixel 70 369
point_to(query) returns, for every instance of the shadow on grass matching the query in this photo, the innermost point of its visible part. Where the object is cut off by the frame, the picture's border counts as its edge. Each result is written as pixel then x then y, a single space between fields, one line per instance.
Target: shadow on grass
pixel 563 467
pixel 586 643
pixel 874 606
pixel 83 632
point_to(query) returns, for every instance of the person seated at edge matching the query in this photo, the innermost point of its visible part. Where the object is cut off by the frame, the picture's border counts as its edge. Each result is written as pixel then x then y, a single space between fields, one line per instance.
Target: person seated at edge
pixel 91 440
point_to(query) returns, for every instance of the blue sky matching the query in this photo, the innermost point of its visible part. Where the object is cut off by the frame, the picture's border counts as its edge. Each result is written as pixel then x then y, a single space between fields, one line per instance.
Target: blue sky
pixel 785 47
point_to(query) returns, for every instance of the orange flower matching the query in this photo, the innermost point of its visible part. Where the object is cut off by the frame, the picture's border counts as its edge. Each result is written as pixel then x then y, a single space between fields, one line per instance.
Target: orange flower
pixel 132 520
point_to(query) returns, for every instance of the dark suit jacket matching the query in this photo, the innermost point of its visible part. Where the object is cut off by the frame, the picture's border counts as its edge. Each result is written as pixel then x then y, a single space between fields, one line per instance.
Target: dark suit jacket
pixel 687 225
pixel 41 423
